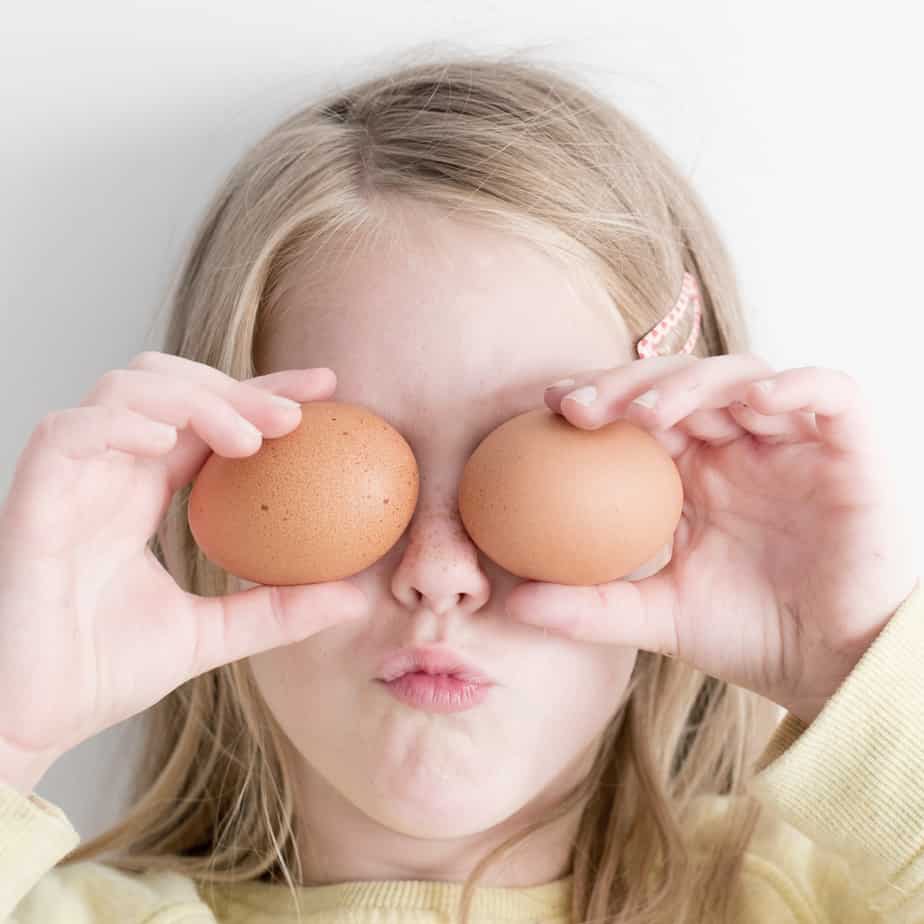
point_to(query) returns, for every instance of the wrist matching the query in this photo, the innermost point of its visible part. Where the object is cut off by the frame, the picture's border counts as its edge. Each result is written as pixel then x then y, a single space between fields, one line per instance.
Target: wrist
pixel 23 769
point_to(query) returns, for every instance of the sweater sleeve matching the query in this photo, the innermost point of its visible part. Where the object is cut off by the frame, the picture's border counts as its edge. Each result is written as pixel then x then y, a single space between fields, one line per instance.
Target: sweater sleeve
pixel 853 782
pixel 34 835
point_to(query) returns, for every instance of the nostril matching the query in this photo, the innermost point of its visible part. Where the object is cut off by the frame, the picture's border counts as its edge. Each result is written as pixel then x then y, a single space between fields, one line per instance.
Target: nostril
pixel 451 604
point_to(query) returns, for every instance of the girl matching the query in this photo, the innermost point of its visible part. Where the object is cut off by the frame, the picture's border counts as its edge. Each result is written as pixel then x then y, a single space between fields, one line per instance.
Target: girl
pixel 438 244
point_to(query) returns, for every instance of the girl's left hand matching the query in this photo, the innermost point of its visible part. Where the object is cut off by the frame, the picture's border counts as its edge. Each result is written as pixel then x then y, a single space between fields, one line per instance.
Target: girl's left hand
pixel 793 549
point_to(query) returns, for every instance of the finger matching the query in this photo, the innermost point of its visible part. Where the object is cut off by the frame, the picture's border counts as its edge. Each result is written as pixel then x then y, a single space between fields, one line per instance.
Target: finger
pixel 254 397
pixel 620 612
pixel 674 440
pixel 712 383
pixel 670 391
pixel 293 383
pixel 714 427
pixel 230 416
pixel 216 416
pixel 88 431
pixel 632 377
pixel 843 416
pixel 247 622
pixel 257 399
pixel 795 427
pixel 300 385
pixel 43 471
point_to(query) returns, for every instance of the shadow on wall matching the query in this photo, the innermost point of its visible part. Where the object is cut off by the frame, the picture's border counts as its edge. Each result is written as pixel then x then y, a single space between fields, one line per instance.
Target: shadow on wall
pixel 91 782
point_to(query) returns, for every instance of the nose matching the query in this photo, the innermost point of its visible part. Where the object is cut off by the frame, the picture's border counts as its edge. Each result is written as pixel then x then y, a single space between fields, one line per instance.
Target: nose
pixel 439 569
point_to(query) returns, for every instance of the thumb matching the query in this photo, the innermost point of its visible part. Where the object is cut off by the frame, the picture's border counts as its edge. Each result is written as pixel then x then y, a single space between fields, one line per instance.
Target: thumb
pixel 636 614
pixel 247 622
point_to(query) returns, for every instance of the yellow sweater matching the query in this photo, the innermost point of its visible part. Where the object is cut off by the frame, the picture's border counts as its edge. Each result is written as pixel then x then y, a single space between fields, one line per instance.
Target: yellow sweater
pixel 842 842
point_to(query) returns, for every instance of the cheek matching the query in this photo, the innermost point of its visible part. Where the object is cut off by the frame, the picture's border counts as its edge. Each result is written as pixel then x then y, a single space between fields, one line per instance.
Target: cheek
pixel 291 678
pixel 273 673
pixel 589 688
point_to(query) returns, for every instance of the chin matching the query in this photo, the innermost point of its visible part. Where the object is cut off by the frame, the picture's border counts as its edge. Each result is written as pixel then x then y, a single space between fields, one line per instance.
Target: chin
pixel 434 805
pixel 450 825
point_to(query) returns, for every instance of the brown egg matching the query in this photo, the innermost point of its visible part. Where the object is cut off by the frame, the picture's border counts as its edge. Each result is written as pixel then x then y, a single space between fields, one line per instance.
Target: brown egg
pixel 549 501
pixel 318 504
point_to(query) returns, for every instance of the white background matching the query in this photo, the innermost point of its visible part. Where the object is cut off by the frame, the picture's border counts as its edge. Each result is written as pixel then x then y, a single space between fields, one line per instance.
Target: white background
pixel 799 123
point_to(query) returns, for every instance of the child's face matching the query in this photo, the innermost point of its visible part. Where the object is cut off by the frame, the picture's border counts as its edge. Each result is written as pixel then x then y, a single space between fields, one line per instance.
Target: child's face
pixel 445 336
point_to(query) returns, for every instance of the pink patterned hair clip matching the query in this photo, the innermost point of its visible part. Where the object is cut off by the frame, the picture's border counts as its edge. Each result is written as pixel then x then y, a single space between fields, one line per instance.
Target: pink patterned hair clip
pixel 689 295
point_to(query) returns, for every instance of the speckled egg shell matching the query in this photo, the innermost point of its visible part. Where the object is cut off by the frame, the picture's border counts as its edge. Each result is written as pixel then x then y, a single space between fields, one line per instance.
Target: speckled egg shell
pixel 549 501
pixel 318 504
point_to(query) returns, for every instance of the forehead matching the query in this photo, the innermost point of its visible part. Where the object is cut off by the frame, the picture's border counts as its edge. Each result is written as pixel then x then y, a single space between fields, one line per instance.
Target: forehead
pixel 442 314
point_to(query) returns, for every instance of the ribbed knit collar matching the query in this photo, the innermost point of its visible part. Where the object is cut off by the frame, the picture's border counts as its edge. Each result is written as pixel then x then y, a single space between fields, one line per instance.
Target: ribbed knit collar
pixel 490 903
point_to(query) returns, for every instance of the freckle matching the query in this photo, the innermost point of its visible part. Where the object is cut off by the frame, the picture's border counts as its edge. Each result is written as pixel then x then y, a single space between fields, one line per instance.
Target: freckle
pixel 264 507
pixel 387 501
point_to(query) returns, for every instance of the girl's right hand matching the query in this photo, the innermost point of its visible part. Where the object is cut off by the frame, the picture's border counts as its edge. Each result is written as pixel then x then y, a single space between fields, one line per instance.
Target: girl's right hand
pixel 93 629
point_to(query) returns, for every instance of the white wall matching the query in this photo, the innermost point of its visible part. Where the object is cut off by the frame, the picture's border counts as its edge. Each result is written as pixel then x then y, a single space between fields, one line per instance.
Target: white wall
pixel 798 123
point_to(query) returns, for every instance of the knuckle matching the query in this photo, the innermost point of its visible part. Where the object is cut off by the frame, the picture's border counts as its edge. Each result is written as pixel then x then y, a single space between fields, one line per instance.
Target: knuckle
pixel 601 593
pixel 606 381
pixel 277 612
pixel 197 657
pixel 688 374
pixel 763 367
pixel 247 391
pixel 210 638
pixel 49 426
pixel 54 427
pixel 109 383
pixel 851 384
pixel 147 359
pixel 672 642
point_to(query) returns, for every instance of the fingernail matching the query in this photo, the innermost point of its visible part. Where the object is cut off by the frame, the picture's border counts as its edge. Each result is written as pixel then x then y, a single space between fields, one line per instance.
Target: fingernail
pixel 586 395
pixel 649 399
pixel 564 383
pixel 248 428
pixel 284 402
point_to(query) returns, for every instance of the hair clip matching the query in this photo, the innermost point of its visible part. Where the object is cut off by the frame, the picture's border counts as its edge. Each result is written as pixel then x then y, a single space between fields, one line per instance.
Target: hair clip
pixel 689 294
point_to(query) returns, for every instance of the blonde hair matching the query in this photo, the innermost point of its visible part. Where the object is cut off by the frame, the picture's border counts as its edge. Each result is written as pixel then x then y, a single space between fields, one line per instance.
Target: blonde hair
pixel 524 148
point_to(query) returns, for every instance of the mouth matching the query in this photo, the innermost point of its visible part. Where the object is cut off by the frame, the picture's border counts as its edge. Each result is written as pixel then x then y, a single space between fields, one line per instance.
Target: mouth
pixel 434 661
pixel 440 694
